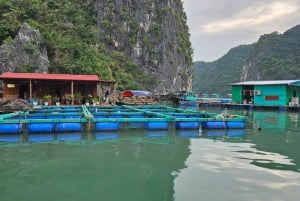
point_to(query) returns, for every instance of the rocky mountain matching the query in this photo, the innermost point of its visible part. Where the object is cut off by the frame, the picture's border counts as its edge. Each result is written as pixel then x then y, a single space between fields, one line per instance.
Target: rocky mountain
pixel 25 51
pixel 273 57
pixel 154 34
pixel 142 44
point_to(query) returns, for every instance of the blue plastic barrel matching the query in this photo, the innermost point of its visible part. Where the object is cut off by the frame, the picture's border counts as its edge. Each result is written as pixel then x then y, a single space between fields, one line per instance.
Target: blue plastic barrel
pixel 186 125
pixel 40 127
pixel 161 125
pixel 10 128
pixel 235 124
pixel 107 126
pixel 214 124
pixel 68 127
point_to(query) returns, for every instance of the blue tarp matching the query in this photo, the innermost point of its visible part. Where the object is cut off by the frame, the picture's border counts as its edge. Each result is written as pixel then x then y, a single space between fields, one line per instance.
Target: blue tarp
pixel 129 93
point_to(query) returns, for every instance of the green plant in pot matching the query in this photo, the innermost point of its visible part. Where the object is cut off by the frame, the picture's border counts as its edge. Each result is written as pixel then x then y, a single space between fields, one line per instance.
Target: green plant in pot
pixel 56 100
pixel 46 99
pixel 69 99
pixel 78 97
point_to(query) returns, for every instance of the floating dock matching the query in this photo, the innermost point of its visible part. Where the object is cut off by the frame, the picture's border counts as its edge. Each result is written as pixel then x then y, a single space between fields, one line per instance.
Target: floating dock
pixel 66 119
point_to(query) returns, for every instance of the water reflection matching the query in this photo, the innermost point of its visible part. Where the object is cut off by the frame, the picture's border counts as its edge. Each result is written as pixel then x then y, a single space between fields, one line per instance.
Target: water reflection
pixel 135 164
pixel 219 170
pixel 128 165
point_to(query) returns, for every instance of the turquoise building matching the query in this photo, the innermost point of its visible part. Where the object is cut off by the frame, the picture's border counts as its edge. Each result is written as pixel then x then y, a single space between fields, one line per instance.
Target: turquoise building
pixel 267 93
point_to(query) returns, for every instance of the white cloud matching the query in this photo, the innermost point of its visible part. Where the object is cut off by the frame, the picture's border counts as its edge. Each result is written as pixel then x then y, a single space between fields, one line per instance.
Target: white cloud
pixel 253 16
pixel 216 26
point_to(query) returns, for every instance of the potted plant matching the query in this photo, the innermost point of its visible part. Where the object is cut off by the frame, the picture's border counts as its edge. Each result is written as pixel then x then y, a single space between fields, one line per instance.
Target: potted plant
pixel 69 99
pixel 56 100
pixel 89 99
pixel 46 99
pixel 78 97
pixel 95 101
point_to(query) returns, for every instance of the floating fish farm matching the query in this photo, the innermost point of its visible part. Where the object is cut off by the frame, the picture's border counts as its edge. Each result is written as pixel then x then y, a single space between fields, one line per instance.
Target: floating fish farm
pixel 66 119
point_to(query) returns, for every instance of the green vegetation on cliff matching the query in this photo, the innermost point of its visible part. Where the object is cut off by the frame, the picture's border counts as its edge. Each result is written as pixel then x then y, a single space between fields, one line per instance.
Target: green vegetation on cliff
pixel 81 38
pixel 69 30
pixel 214 77
pixel 274 57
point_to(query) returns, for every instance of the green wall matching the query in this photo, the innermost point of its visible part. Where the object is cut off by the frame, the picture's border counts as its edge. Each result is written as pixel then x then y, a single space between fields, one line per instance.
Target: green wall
pixel 237 94
pixel 271 90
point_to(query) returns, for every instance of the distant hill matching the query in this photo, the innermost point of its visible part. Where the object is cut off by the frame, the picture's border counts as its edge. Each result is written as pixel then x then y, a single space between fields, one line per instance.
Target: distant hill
pixel 214 77
pixel 275 56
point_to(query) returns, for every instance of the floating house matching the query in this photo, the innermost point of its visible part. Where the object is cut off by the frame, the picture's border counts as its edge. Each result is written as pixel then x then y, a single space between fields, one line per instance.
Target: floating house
pixel 267 93
pixel 34 86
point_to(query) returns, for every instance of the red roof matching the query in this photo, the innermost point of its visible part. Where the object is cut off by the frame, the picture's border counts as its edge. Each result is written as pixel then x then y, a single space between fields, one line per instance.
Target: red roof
pixel 45 76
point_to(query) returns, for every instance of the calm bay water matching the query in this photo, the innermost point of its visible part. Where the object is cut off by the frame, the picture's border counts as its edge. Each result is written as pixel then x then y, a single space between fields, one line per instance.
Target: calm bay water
pixel 138 165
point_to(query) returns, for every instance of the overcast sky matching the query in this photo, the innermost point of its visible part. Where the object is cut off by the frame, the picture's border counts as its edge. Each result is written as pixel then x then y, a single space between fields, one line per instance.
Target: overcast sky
pixel 216 26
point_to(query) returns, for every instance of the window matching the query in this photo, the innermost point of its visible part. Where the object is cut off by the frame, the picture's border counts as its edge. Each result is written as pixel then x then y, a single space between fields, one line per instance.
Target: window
pixel 271 97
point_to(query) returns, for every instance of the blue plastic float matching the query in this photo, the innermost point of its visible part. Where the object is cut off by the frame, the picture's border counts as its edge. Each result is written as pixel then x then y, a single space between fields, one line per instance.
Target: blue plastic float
pixel 187 125
pixel 161 125
pixel 68 127
pixel 214 125
pixel 107 126
pixel 10 128
pixel 40 127
pixel 235 124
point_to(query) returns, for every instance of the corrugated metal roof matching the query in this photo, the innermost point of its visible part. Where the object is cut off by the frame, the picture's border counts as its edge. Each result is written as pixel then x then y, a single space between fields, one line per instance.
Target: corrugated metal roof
pixel 267 82
pixel 45 76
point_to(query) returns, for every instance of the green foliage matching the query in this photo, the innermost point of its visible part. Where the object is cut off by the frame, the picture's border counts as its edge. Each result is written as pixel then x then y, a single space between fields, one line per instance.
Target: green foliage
pixel 274 57
pixel 28 69
pixel 215 77
pixel 70 33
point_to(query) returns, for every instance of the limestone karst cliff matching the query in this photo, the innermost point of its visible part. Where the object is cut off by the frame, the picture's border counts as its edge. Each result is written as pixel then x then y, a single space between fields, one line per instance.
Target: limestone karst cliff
pixel 154 34
pixel 25 51
pixel 138 43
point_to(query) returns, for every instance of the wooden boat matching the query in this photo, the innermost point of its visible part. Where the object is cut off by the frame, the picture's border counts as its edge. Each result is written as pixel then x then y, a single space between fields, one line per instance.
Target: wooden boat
pixel 135 97
pixel 184 98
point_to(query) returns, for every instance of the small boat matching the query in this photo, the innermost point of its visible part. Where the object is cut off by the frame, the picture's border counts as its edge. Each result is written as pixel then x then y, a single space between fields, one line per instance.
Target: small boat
pixel 184 97
pixel 135 97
